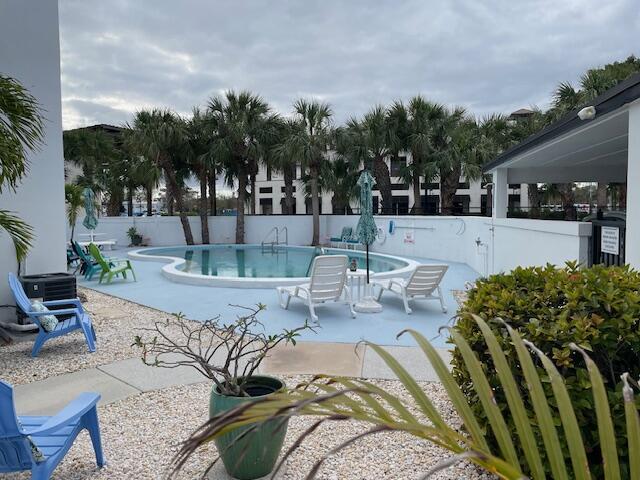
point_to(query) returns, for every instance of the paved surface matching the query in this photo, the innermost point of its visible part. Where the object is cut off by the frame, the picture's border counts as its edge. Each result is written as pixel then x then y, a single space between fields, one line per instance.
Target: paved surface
pixel 336 325
pixel 124 378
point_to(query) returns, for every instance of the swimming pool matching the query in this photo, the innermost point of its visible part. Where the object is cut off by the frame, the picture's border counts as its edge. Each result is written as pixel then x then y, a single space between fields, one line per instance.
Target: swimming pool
pixel 255 266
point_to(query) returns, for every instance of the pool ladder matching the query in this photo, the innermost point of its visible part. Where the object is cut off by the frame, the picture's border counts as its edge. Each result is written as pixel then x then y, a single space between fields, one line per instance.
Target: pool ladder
pixel 270 243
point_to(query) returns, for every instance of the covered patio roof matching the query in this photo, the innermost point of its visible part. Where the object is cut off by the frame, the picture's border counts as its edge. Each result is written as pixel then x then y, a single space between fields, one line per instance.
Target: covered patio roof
pixel 575 150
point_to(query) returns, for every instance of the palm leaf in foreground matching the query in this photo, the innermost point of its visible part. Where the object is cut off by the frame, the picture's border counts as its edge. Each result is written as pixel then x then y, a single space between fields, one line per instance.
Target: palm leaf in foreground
pixel 339 398
pixel 20 232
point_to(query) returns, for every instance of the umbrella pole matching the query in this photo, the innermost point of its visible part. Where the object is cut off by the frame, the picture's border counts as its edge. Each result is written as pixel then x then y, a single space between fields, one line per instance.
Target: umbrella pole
pixel 367 264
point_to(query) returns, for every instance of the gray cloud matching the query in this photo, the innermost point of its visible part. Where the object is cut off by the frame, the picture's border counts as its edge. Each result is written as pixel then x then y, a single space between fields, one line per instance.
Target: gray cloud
pixel 489 56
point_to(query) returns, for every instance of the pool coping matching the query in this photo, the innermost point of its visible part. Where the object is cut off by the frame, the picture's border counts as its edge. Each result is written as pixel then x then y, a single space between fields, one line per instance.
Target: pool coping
pixel 171 271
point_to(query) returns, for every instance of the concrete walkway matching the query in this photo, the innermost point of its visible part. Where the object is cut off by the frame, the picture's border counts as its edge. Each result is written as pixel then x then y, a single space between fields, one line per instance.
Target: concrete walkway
pixel 125 378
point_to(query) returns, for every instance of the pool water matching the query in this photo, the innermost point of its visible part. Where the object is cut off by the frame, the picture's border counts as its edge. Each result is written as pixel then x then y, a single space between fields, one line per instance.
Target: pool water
pixel 254 261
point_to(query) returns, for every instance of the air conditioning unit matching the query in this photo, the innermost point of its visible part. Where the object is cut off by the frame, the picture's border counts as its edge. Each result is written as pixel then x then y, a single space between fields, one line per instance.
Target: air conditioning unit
pixel 48 286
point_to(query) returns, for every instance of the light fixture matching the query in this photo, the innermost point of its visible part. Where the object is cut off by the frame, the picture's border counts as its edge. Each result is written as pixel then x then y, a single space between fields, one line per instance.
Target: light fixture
pixel 587 113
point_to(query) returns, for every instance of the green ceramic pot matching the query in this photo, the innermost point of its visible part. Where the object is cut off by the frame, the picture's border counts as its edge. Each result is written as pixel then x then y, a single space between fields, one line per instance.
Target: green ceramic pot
pixel 254 455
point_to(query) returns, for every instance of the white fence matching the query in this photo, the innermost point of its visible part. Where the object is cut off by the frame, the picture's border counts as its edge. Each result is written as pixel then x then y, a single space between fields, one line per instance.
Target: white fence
pixel 486 245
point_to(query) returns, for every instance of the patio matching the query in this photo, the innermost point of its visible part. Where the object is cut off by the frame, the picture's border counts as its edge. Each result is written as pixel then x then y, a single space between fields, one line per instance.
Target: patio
pixel 200 303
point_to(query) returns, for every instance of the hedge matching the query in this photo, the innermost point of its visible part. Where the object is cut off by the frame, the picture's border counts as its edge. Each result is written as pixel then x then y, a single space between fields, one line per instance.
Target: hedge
pixel 597 308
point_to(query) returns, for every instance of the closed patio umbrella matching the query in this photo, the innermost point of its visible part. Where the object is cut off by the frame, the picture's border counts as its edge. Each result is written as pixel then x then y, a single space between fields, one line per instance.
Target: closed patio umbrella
pixel 366 232
pixel 90 221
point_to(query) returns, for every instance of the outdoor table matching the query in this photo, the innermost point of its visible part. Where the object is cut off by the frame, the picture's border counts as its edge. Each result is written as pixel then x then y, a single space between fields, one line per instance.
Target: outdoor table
pixel 357 282
pixel 99 243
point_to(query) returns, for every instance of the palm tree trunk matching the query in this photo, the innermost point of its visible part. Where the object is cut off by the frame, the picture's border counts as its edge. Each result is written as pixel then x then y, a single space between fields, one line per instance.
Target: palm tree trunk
pixel 448 187
pixel 489 204
pixel 535 200
pixel 130 202
pixel 416 209
pixel 204 215
pixel 169 199
pixel 315 206
pixel 254 196
pixel 212 178
pixel 383 180
pixel 289 201
pixel 176 193
pixel 242 195
pixel 149 192
pixel 601 196
pixel 567 198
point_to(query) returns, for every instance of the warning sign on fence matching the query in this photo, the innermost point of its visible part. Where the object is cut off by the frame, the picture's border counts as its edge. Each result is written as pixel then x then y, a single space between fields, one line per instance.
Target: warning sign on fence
pixel 610 240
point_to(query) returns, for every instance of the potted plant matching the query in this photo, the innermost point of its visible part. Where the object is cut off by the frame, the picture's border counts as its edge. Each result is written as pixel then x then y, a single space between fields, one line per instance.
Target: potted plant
pixel 134 237
pixel 229 355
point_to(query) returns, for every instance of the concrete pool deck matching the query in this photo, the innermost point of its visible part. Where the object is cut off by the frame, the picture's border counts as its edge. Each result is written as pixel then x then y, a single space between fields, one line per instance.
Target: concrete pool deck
pixel 336 325
pixel 125 378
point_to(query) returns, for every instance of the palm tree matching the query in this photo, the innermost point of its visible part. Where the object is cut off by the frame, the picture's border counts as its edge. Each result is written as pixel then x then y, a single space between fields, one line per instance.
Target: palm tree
pixel 282 160
pixel 200 136
pixel 414 128
pixel 371 140
pixel 160 135
pixel 238 120
pixel 147 175
pixel 74 198
pixel 309 144
pixel 340 177
pixel 21 131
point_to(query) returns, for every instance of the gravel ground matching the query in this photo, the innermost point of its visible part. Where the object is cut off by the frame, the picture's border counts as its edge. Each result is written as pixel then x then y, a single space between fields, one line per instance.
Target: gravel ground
pixel 116 323
pixel 140 434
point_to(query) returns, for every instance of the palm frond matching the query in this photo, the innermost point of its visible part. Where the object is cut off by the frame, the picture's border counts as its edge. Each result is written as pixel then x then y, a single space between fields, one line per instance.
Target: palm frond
pixel 20 232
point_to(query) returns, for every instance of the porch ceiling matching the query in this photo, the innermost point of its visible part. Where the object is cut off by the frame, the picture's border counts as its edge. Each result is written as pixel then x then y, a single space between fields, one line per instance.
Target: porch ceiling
pixel 595 152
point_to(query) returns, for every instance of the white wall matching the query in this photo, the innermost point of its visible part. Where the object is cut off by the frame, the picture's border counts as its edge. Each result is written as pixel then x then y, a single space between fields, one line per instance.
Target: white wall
pixel 632 254
pixel 504 243
pixel 29 52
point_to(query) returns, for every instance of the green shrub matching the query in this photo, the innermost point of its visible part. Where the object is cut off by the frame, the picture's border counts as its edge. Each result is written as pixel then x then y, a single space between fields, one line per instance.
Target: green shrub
pixel 596 308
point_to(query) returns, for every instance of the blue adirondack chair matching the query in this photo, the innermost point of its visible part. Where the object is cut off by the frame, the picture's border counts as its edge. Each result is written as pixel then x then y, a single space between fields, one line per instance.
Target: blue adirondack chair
pixel 89 266
pixel 40 443
pixel 79 320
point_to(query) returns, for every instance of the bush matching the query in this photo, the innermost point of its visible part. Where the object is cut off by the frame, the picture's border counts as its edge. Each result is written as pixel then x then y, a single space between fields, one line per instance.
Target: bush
pixel 596 308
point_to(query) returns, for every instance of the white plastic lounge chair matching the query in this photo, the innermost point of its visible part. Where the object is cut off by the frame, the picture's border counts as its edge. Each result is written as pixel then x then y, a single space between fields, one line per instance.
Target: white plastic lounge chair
pixel 328 283
pixel 424 284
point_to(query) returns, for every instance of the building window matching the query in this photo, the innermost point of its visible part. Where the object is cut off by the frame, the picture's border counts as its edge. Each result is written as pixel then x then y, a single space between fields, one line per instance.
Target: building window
pixel 463 185
pixel 266 189
pixel 266 206
pixel 430 186
pixel 514 186
pixel 268 173
pixel 399 186
pixel 397 164
pixel 282 189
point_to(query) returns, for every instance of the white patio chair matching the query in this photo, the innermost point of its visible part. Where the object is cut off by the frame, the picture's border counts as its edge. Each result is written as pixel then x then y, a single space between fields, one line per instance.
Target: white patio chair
pixel 424 284
pixel 328 283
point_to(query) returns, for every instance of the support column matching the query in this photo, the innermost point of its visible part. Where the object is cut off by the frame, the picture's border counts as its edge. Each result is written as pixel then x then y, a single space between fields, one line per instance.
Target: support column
pixel 632 254
pixel 500 193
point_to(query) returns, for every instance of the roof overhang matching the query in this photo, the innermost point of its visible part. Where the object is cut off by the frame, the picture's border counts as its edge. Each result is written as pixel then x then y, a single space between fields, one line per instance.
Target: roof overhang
pixel 575 150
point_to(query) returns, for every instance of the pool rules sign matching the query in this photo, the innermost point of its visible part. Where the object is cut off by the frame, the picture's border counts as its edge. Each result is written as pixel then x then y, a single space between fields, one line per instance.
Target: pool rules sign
pixel 610 240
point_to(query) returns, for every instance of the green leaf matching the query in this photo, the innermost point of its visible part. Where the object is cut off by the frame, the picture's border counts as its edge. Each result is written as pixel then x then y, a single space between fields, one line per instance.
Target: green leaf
pixel 603 414
pixel 487 398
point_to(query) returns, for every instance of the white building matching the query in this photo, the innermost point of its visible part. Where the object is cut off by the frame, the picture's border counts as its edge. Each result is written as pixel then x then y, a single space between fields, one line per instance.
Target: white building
pixel 30 53
pixel 471 197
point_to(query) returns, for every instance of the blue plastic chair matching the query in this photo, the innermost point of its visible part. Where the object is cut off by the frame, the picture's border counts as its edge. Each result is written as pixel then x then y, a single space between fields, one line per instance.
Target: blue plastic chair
pixel 79 320
pixel 40 443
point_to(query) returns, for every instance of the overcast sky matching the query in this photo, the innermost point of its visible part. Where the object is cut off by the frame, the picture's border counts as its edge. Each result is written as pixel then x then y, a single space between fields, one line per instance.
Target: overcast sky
pixel 119 56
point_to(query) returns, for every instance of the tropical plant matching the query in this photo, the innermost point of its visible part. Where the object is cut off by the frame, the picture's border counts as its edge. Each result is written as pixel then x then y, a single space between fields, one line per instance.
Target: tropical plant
pixel 310 144
pixel 228 354
pixel 282 160
pixel 239 122
pixel 340 398
pixel 200 136
pixel 135 238
pixel 596 308
pixel 415 126
pixel 340 177
pixel 160 135
pixel 74 199
pixel 21 131
pixel 371 141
